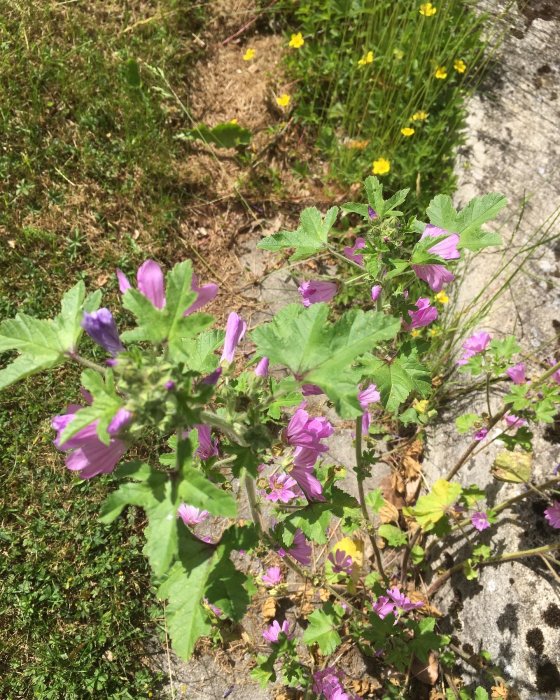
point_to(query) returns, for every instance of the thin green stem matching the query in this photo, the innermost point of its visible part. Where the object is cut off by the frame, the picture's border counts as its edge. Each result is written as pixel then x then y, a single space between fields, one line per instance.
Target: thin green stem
pixel 221 424
pixel 362 498
pixel 86 363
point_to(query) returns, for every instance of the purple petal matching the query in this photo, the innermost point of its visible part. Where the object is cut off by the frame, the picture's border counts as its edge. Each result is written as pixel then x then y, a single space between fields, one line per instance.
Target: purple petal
pixel 151 283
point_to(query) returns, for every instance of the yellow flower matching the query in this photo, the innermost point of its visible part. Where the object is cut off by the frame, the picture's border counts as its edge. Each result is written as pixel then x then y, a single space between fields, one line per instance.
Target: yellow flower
pixel 249 55
pixel 442 297
pixel 283 100
pixel 441 73
pixel 407 131
pixel 427 9
pixel 419 116
pixel 296 41
pixel 415 333
pixel 420 406
pixel 434 332
pixel 233 121
pixel 381 166
pixel 460 66
pixel 398 54
pixel 368 58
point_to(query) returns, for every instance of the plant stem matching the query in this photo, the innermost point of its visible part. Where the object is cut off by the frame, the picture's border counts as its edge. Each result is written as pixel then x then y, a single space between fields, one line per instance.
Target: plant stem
pixel 348 261
pixel 222 424
pixel 86 363
pixel 362 499
pixel 253 504
pixel 508 556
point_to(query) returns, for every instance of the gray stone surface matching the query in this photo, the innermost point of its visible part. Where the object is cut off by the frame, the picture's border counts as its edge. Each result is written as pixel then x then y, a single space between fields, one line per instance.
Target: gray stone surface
pixel 514 148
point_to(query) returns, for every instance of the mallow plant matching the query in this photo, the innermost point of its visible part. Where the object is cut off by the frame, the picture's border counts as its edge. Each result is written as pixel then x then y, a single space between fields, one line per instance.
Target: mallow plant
pixel 245 496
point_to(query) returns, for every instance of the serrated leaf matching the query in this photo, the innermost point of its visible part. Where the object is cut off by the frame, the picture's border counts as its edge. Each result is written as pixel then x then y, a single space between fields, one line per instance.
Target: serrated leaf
pixel 309 238
pixel 431 507
pixel 162 532
pixel 480 694
pixel 129 494
pixel 467 422
pixel 314 519
pixel 397 379
pixel 321 353
pixel 198 353
pixel 322 630
pixel 394 535
pixel 375 500
pixel 442 213
pixel 225 587
pixel 184 588
pixel 198 491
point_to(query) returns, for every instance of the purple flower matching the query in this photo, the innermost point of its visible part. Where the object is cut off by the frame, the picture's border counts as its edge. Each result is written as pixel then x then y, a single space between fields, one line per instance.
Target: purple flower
pixel 207 447
pixel 436 275
pixel 303 431
pixel 315 291
pixel 218 612
pixel 170 385
pixel 341 562
pixel 480 434
pixel 480 521
pixel 350 251
pixel 212 378
pixel 235 330
pixel 393 602
pixel 552 515
pixel 376 292
pixel 191 516
pixel 478 342
pixel 205 294
pixel 281 486
pixel 272 634
pixel 151 284
pixel 311 390
pixel 86 453
pixel 261 370
pixel 514 421
pixel 101 327
pixel 517 373
pixel 368 396
pixel 272 577
pixel 366 422
pixel 328 683
pixel 300 549
pixel 306 479
pixel 372 213
pixel 425 315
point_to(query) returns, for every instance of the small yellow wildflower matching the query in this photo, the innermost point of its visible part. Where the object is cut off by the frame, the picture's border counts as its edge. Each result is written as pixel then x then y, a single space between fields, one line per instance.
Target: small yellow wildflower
pixel 415 333
pixel 407 131
pixel 434 332
pixel 420 406
pixel 398 54
pixel 419 116
pixel 381 166
pixel 249 55
pixel 368 58
pixel 442 297
pixel 441 73
pixel 296 41
pixel 233 121
pixel 459 65
pixel 427 9
pixel 283 101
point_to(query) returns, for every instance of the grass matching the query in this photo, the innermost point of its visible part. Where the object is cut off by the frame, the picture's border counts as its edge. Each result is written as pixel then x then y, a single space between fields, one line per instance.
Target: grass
pixel 89 163
pixel 357 111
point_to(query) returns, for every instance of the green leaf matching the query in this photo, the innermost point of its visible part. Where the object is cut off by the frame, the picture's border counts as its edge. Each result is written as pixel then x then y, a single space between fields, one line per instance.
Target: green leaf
pixel 129 494
pixel 314 519
pixel 375 500
pixel 442 213
pixel 310 237
pixel 395 536
pixel 514 467
pixel 467 422
pixel 225 587
pixel 184 588
pixel 162 532
pixel 431 507
pixel 321 353
pixel 425 639
pixel 225 135
pixel 68 322
pixel 198 353
pixel 480 694
pixel 103 408
pixel 397 379
pixel 264 672
pixel 198 491
pixel 322 630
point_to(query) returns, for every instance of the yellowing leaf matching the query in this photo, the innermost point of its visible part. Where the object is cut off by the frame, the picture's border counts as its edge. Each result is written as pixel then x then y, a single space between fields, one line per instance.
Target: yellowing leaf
pixel 512 466
pixel 432 507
